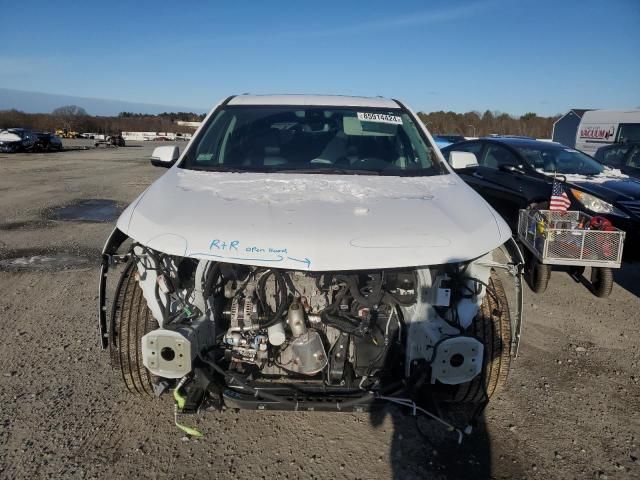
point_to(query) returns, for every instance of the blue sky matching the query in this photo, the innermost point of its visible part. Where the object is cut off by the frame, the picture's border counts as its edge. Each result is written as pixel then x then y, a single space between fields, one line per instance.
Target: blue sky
pixel 513 56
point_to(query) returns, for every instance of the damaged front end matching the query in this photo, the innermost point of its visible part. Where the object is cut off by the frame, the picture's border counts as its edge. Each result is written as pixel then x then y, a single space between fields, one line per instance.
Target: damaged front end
pixel 224 334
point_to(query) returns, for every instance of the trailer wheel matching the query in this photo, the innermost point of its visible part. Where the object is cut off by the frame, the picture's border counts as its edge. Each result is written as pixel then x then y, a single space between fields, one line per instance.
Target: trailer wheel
pixel 131 319
pixel 537 275
pixel 492 326
pixel 601 281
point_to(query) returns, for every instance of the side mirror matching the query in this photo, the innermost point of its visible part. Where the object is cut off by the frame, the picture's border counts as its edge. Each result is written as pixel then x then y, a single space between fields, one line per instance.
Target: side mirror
pixel 165 156
pixel 459 160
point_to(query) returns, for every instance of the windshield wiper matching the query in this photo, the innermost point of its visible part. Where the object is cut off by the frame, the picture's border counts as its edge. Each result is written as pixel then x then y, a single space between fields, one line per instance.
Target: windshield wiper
pixel 330 171
pixel 219 168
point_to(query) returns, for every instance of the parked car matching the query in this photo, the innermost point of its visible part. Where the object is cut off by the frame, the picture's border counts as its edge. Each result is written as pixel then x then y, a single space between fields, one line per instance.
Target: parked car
pixel 441 142
pixel 515 173
pixel 446 140
pixel 13 140
pixel 116 140
pixel 625 156
pixel 111 141
pixel 451 138
pixel 47 142
pixel 311 253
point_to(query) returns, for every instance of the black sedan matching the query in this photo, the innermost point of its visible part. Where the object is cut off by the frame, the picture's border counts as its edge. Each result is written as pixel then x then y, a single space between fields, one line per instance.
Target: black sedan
pixel 515 173
pixel 47 142
pixel 625 156
pixel 17 140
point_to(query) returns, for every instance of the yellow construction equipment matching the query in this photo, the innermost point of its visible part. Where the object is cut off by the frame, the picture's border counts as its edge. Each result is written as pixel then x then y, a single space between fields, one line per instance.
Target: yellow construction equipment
pixel 64 133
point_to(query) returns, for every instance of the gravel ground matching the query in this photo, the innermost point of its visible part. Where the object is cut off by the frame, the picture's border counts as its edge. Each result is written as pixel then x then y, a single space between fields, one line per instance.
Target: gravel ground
pixel 571 409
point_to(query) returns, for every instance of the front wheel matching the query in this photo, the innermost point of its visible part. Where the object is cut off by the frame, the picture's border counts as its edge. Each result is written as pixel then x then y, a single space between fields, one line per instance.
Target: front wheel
pixel 131 320
pixel 492 326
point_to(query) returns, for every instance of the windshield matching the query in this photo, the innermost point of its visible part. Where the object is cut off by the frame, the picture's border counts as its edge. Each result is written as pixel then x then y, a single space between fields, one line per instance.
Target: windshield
pixel 559 159
pixel 313 140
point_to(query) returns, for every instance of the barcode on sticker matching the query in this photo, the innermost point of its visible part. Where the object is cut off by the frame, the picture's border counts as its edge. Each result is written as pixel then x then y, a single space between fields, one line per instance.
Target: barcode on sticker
pixel 379 117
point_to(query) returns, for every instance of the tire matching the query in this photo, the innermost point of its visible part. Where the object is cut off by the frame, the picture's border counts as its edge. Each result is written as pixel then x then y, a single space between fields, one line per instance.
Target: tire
pixel 537 275
pixel 131 320
pixel 492 326
pixel 601 281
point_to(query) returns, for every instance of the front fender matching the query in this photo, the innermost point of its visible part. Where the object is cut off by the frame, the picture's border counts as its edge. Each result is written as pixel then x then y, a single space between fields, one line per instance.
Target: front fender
pixel 114 241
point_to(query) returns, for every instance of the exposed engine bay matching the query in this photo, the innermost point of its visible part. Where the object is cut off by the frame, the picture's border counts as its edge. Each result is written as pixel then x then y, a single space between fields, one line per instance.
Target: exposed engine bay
pixel 273 323
pixel 266 338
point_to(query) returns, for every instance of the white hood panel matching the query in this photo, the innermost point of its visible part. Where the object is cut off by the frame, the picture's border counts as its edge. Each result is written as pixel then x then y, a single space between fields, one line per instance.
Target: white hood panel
pixel 9 137
pixel 314 222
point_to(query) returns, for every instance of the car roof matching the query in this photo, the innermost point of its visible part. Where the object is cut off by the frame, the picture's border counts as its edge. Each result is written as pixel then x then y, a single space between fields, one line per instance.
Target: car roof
pixel 522 142
pixel 511 141
pixel 310 100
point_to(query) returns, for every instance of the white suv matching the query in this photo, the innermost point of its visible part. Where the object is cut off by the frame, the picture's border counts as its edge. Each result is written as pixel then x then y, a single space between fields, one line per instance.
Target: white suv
pixel 311 253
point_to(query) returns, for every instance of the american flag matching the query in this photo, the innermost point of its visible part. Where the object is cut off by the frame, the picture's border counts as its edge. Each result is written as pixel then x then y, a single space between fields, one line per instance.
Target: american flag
pixel 559 199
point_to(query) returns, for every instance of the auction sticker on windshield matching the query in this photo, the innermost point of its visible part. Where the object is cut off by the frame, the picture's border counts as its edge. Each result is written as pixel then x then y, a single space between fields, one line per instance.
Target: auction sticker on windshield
pixel 379 117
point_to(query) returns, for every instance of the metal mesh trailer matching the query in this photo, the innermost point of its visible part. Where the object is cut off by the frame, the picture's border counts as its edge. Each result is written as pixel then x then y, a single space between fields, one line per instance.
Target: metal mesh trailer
pixel 564 238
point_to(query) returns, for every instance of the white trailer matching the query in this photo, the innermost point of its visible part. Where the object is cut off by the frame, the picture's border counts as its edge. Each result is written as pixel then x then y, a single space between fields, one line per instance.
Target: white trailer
pixel 604 127
pixel 139 136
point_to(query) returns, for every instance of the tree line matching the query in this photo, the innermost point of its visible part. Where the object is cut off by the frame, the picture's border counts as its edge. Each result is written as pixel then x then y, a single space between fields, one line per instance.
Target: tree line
pixel 75 118
pixel 476 124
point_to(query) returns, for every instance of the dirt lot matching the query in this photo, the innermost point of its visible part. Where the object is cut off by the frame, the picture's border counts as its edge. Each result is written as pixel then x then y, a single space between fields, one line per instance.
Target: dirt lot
pixel 571 410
